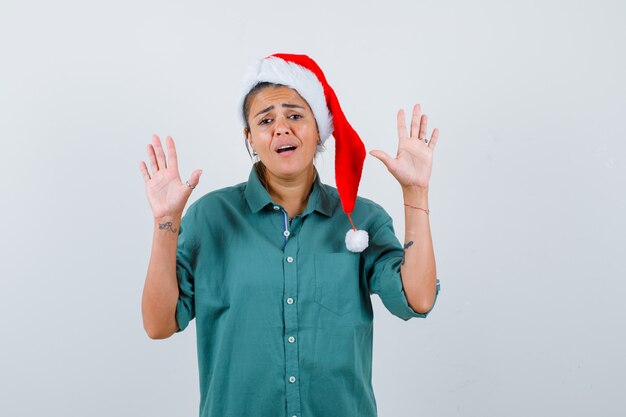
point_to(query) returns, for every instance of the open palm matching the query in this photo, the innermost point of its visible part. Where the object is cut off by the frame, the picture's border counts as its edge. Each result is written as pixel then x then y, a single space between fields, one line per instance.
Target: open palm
pixel 167 194
pixel 413 163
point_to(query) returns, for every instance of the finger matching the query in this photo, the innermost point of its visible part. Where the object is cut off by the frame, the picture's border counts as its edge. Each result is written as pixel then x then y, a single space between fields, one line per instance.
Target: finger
pixel 152 158
pixel 433 139
pixel 415 119
pixel 384 157
pixel 158 149
pixel 401 125
pixel 144 170
pixel 194 178
pixel 423 124
pixel 172 157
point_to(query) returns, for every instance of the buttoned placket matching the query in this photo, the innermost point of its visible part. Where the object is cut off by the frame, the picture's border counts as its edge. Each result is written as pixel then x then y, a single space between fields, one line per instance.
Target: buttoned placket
pixel 290 312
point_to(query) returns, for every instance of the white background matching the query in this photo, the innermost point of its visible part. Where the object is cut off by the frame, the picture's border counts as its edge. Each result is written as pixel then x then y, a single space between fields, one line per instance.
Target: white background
pixel 527 193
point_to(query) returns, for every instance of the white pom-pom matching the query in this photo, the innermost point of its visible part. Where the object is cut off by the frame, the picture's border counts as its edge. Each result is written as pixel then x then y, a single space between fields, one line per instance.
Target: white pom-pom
pixel 356 240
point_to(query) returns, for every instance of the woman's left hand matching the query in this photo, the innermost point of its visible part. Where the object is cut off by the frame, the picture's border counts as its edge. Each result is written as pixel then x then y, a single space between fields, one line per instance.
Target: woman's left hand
pixel 413 163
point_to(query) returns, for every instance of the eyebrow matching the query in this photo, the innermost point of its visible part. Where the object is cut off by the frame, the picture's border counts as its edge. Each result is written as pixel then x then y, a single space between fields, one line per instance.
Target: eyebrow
pixel 285 105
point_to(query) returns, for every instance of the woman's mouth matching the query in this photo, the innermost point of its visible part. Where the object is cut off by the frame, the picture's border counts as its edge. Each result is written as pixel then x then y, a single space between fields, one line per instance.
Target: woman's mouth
pixel 286 150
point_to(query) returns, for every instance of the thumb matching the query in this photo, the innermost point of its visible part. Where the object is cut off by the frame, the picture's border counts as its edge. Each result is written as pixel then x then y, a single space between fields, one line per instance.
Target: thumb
pixel 194 178
pixel 384 157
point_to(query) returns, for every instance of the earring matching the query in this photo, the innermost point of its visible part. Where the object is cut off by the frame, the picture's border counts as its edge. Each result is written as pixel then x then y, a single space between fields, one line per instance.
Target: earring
pixel 255 157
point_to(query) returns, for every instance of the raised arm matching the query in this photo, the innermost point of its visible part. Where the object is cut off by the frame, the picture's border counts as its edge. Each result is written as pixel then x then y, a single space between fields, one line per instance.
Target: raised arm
pixel 412 167
pixel 167 196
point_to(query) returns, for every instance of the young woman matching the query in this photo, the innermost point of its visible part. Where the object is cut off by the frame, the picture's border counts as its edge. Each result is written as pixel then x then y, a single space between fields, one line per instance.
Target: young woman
pixel 280 292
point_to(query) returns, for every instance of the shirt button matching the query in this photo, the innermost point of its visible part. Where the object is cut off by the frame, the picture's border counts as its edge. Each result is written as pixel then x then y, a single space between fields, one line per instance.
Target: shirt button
pixel 289 259
pixel 286 233
pixel 289 300
pixel 292 379
pixel 291 339
pixel 276 208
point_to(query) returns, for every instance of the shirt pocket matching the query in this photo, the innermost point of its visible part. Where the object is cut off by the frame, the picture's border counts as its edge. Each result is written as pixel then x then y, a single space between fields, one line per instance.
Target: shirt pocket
pixel 337 281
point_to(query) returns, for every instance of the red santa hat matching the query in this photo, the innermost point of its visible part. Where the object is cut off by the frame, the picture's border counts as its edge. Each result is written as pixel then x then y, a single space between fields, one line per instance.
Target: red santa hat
pixel 304 75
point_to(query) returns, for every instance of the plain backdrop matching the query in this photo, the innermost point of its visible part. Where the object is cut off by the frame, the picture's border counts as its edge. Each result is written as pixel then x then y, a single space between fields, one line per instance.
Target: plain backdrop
pixel 527 193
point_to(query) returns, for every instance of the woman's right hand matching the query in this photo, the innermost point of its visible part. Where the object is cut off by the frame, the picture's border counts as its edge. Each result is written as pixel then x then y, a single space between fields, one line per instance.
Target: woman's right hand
pixel 167 194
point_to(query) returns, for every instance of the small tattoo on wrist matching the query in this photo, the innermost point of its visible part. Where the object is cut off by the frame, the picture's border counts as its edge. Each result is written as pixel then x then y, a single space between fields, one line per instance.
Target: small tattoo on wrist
pixel 406 246
pixel 167 226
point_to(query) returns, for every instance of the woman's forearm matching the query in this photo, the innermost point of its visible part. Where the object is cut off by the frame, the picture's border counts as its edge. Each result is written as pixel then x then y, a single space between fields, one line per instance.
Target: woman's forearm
pixel 418 271
pixel 160 292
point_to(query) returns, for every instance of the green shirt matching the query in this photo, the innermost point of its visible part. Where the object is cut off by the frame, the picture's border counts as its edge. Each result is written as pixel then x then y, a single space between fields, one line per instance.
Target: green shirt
pixel 283 310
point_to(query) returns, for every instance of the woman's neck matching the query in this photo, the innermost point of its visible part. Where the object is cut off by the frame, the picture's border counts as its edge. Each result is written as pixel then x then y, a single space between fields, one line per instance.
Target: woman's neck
pixel 291 193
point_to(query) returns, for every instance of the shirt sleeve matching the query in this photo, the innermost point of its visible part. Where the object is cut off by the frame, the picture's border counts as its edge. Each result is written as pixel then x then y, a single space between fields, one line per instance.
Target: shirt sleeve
pixel 384 259
pixel 185 264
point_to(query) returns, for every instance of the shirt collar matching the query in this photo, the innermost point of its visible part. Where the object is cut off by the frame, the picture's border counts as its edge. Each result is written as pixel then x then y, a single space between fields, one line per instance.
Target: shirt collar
pixel 258 197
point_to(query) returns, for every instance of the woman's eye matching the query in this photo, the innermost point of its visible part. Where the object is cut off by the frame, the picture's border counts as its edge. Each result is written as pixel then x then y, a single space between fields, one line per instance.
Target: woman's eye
pixel 296 116
pixel 265 121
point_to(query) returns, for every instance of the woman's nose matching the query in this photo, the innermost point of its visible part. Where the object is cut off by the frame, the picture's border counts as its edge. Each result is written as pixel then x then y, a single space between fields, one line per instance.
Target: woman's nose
pixel 281 127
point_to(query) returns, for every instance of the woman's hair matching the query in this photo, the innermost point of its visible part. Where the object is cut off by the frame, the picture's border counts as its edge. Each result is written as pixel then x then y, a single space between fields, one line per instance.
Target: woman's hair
pixel 259 167
pixel 247 102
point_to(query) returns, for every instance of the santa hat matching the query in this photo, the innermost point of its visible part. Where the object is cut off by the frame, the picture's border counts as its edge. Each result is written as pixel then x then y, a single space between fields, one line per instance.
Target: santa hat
pixel 304 75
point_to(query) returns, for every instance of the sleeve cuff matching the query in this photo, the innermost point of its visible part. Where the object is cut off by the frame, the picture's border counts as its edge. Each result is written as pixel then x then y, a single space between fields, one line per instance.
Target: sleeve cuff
pixel 183 315
pixel 398 304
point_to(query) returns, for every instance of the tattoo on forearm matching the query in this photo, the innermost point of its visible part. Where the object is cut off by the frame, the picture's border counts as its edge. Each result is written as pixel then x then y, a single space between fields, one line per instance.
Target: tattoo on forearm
pixel 167 226
pixel 406 246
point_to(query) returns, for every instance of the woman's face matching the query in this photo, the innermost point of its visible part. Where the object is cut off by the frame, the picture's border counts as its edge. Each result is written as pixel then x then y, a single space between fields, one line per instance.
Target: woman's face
pixel 282 131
